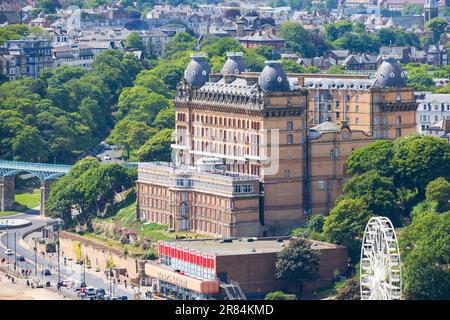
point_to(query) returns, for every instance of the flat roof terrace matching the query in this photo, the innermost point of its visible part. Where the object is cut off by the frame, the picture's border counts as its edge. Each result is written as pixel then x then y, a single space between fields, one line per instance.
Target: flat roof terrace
pixel 243 246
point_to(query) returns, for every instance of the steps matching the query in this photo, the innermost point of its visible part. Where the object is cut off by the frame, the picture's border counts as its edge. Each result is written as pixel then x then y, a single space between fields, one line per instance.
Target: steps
pixel 233 290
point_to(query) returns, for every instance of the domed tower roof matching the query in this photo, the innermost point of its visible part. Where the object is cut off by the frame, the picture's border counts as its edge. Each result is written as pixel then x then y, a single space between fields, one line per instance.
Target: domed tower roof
pixel 198 70
pixel 234 64
pixel 390 74
pixel 273 78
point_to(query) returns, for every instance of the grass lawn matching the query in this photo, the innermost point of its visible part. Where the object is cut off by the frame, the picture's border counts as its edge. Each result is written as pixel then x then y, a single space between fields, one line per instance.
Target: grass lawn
pixel 7 213
pixel 126 217
pixel 29 200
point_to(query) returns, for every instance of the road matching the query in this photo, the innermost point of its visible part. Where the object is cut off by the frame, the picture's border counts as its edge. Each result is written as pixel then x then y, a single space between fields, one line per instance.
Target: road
pixel 115 153
pixel 71 271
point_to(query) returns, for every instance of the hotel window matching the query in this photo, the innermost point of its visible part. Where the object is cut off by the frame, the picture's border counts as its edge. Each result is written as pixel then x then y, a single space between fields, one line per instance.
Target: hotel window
pixel 290 139
pixel 321 185
pixel 337 104
pixel 398 120
pixel 290 125
pixel 356 120
pixel 356 108
pixel 289 155
pixel 398 132
pixel 287 173
pixel 338 115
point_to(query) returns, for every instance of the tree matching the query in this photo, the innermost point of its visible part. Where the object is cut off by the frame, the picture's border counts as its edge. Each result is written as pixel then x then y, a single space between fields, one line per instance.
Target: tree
pixel 437 26
pixel 220 46
pixel 375 156
pixel 47 6
pixel 231 14
pixel 376 191
pixel 134 41
pixel 170 73
pixel 165 119
pixel 87 189
pixel 419 159
pixel 297 39
pixel 343 27
pixel 182 41
pixel 336 69
pixel 157 148
pixel 425 251
pixel 345 225
pixel 292 66
pixel 387 36
pixel 438 191
pixel 420 79
pixel 350 290
pixel 138 97
pixel 130 134
pixel 297 263
pixel 148 80
pixel 28 145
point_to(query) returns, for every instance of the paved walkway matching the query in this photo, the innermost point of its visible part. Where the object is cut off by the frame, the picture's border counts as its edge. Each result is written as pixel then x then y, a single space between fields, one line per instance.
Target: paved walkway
pixel 19 291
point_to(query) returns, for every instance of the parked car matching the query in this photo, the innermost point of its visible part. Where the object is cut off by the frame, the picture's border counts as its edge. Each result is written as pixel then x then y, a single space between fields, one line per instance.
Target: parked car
pixel 46 272
pixel 107 157
pixel 100 293
pixel 21 258
pixel 9 252
pixel 90 293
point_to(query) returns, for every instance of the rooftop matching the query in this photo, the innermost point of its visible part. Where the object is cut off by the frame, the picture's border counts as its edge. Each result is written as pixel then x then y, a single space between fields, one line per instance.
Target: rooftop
pixel 242 246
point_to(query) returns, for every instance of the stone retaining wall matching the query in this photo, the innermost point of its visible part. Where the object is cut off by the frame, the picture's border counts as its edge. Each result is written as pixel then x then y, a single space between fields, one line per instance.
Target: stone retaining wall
pixel 99 254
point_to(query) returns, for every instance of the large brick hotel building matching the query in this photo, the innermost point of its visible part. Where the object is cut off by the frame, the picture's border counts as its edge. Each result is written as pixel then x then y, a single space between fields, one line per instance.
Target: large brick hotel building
pixel 256 153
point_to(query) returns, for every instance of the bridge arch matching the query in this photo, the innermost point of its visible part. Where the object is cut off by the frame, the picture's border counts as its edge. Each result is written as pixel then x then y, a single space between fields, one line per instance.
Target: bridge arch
pixel 46 173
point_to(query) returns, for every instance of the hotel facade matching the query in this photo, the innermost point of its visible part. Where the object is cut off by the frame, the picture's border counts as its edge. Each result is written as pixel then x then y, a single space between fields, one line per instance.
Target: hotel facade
pixel 255 154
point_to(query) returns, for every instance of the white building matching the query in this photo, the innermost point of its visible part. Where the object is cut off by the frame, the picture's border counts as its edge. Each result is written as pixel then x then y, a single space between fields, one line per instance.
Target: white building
pixel 432 108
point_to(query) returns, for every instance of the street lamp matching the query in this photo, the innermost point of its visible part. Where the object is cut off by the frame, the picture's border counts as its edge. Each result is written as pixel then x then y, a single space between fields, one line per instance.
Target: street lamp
pixel 58 225
pixel 35 256
pixel 15 252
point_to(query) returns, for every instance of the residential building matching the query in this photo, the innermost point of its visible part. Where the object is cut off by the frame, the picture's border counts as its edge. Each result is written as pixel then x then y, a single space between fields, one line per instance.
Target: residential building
pixel 362 62
pixel 75 55
pixel 262 38
pixel 436 55
pixel 34 53
pixel 432 108
pixel 431 9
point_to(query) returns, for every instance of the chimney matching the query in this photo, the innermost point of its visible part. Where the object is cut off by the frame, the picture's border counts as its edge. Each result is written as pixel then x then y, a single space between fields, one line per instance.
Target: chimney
pixel 239 29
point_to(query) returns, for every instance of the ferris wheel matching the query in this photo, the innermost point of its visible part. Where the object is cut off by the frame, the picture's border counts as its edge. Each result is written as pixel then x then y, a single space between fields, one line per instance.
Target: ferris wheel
pixel 380 268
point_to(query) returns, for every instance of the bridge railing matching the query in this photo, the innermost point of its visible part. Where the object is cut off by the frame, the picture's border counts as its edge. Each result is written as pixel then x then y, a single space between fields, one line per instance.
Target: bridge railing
pixel 35 166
